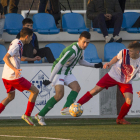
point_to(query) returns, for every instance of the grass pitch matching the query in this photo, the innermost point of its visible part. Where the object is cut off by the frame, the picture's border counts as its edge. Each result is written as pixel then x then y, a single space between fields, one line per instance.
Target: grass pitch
pixel 70 129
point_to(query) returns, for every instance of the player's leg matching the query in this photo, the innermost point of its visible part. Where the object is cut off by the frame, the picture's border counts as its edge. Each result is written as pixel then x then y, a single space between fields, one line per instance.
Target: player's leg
pixel 105 82
pixel 125 108
pixel 71 97
pixel 8 99
pixel 30 106
pixel 59 93
pixel 10 93
pixel 86 97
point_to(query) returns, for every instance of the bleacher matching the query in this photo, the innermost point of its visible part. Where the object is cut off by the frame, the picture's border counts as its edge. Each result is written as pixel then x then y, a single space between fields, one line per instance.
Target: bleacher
pixel 47 32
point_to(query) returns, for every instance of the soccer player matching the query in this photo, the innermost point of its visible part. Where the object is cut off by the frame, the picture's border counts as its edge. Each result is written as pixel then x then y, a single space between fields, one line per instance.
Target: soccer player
pixel 12 77
pixel 61 75
pixel 126 66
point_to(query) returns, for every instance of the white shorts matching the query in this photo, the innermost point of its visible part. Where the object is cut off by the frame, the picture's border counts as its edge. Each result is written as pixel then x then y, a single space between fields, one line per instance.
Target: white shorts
pixel 63 79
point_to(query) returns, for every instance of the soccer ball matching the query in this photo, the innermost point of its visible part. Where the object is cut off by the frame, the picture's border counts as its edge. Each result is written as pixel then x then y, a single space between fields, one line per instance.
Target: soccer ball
pixel 76 110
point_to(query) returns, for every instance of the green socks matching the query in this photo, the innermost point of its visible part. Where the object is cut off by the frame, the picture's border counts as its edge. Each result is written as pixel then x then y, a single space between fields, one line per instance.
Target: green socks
pixel 49 105
pixel 71 98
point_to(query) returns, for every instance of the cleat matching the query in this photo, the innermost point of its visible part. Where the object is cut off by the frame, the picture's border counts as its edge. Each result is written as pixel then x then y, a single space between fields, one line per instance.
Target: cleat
pixel 27 119
pixel 122 121
pixel 40 120
pixel 65 111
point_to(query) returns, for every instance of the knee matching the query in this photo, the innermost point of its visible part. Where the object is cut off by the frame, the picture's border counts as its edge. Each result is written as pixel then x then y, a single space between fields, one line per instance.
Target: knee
pixel 37 91
pixel 77 89
pixel 129 101
pixel 47 49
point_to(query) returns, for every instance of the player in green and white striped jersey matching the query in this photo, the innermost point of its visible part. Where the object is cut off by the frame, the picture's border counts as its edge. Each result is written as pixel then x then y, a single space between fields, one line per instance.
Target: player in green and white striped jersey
pixel 62 75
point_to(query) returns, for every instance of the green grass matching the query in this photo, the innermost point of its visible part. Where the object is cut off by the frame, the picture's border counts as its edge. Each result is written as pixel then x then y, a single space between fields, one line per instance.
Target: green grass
pixel 74 129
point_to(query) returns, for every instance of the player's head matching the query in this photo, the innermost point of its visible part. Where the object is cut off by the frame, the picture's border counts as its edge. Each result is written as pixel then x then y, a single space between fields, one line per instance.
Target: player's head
pixel 134 49
pixel 27 22
pixel 84 40
pixel 26 35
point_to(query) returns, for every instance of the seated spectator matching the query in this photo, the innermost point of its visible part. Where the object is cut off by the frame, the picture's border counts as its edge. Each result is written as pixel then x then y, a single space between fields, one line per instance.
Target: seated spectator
pixel 2 20
pixel 32 49
pixel 52 7
pixel 106 14
pixel 13 6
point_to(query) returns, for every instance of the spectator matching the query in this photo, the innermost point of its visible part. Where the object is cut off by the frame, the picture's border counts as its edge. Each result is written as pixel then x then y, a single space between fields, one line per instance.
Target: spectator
pixel 106 14
pixel 2 20
pixel 32 49
pixel 13 6
pixel 52 7
pixel 122 4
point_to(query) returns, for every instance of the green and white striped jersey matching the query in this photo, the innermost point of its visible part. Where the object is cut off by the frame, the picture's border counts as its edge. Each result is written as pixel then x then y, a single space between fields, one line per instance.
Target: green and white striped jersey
pixel 69 58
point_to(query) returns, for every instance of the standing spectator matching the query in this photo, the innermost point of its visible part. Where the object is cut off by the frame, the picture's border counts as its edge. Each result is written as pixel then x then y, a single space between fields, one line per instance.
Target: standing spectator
pixel 106 14
pixel 122 4
pixel 13 6
pixel 52 7
pixel 2 21
pixel 32 49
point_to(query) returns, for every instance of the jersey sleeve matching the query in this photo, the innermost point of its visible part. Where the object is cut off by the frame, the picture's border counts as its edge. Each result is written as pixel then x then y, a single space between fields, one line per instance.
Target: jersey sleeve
pixel 67 56
pixel 13 49
pixel 119 55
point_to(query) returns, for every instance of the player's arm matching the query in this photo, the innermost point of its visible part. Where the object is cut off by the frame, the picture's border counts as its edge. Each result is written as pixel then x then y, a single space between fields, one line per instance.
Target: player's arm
pixel 68 55
pixel 114 60
pixel 56 69
pixel 30 59
pixel 6 59
pixel 87 64
pixel 109 64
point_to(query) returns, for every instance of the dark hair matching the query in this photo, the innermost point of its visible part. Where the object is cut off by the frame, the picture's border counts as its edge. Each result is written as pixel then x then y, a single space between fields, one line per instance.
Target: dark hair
pixel 134 45
pixel 26 31
pixel 85 34
pixel 27 20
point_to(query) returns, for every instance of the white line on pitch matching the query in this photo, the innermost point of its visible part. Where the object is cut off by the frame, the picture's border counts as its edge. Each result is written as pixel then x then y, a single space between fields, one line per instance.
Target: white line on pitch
pixel 34 137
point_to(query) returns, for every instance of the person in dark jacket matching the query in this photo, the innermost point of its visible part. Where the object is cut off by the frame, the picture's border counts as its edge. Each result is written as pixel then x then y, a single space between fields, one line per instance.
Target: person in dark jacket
pixel 32 49
pixel 106 14
pixel 13 6
pixel 52 7
pixel 2 21
pixel 122 4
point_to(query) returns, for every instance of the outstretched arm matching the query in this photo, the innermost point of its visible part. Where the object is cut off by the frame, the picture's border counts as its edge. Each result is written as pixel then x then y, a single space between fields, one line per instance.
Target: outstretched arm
pixel 87 64
pixel 30 59
pixel 109 64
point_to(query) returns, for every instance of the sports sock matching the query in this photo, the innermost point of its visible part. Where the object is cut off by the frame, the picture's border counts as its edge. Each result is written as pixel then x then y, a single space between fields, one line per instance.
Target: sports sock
pixel 85 98
pixel 124 110
pixel 30 107
pixel 71 98
pixel 49 105
pixel 2 107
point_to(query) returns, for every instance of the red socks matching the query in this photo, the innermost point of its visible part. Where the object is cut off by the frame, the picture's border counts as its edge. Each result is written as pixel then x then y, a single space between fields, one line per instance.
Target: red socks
pixel 124 110
pixel 85 98
pixel 30 107
pixel 2 107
